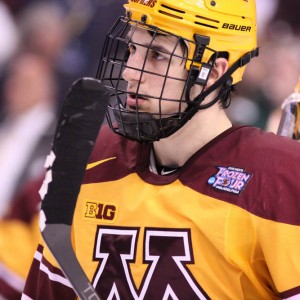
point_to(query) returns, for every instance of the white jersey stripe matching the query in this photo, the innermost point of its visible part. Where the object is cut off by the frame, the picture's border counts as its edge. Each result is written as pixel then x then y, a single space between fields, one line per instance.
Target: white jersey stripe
pixel 25 297
pixel 52 276
pixel 12 279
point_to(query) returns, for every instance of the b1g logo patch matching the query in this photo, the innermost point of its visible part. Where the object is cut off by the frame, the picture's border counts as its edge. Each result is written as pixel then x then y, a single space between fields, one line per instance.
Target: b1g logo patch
pixel 99 211
pixel 230 179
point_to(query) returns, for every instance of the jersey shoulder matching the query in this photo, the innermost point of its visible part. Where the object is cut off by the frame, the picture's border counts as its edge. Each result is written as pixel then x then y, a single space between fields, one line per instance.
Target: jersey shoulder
pixel 112 158
pixel 252 169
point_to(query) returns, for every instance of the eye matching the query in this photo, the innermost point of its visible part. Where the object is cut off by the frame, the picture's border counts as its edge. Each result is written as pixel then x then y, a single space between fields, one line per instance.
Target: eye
pixel 131 49
pixel 157 55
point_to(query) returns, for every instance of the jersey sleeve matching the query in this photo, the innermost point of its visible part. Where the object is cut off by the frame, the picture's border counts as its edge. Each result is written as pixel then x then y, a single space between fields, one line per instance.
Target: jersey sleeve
pixel 45 280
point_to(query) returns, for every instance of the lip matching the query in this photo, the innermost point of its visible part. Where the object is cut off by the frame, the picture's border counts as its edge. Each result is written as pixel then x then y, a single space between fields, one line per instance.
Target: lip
pixel 134 102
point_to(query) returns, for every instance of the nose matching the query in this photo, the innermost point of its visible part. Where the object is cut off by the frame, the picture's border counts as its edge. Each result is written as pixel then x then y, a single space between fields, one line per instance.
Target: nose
pixel 132 71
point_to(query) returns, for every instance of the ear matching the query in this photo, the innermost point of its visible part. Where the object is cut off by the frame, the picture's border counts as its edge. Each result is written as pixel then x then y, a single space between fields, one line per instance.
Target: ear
pixel 220 67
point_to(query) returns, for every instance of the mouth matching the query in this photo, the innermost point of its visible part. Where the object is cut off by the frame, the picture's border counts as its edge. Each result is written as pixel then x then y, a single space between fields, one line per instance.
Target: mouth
pixel 135 101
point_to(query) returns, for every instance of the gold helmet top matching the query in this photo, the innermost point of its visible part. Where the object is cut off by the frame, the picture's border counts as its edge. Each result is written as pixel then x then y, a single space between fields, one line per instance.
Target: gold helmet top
pixel 230 25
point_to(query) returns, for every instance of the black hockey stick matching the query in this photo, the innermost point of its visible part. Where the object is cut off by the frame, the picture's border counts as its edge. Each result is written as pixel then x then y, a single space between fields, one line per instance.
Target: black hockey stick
pixel 81 117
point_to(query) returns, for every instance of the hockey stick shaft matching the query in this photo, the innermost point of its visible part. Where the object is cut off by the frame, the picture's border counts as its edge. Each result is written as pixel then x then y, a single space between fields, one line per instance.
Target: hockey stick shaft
pixel 80 120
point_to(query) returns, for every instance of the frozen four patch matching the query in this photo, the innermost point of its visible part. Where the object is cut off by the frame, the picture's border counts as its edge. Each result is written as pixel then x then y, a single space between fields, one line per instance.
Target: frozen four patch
pixel 230 179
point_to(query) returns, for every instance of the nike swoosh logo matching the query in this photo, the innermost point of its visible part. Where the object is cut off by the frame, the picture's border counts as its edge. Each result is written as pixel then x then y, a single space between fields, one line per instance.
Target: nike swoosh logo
pixel 99 162
pixel 163 172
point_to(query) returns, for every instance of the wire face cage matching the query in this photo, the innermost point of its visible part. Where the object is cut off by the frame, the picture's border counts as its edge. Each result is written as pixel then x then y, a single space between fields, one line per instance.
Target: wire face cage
pixel 144 69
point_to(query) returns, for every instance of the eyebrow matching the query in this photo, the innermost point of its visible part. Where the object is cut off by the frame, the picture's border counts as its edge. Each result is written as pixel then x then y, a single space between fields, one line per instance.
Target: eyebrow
pixel 157 48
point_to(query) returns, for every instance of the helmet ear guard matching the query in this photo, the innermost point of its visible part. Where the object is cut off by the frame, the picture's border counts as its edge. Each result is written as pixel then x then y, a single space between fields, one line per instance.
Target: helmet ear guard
pixel 225 81
pixel 240 63
pixel 200 72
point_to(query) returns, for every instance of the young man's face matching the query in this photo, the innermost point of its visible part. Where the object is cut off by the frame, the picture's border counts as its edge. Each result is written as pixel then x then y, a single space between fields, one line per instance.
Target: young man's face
pixel 152 86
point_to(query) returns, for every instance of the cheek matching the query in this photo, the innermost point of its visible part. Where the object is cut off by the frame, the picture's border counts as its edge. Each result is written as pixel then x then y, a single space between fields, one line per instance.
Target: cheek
pixel 155 85
pixel 168 87
pixel 175 87
pixel 174 90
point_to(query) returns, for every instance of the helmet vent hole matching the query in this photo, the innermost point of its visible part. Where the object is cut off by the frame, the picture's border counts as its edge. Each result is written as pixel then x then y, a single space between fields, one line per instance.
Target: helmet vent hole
pixel 170 15
pixel 171 12
pixel 206 24
pixel 207 19
pixel 173 9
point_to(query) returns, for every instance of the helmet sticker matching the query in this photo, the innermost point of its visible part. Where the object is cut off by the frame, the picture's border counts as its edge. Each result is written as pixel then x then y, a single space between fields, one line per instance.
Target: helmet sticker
pixel 236 27
pixel 230 179
pixel 150 3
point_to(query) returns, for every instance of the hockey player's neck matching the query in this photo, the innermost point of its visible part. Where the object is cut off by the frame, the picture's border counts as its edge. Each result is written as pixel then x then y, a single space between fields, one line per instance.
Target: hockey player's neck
pixel 201 129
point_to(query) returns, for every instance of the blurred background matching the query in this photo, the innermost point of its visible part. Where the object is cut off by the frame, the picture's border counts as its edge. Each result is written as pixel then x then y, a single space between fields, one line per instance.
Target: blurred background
pixel 271 77
pixel 45 46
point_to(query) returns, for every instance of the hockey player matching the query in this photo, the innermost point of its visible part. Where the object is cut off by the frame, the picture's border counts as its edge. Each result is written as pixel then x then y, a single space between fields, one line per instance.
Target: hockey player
pixel 176 202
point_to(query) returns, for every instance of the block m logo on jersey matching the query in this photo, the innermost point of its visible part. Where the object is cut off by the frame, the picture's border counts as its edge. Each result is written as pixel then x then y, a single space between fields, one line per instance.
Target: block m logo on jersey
pixel 166 254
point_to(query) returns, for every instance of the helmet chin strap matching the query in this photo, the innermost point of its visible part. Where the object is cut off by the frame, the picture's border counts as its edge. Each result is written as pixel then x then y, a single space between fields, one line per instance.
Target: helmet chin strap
pixel 224 80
